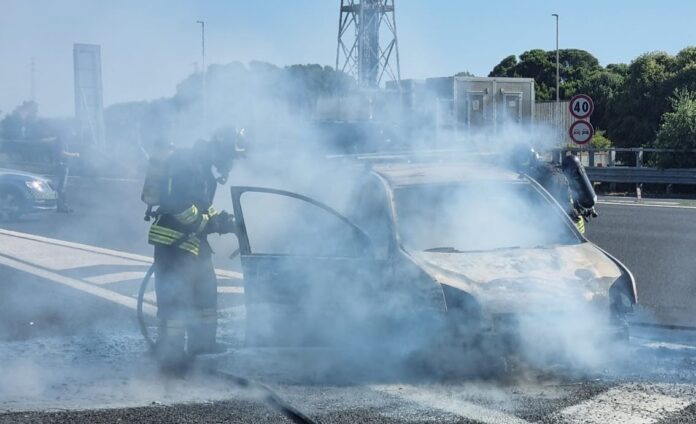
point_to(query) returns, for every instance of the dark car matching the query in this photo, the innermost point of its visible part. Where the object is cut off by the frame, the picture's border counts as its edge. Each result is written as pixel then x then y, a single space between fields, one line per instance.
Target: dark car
pixel 475 247
pixel 24 192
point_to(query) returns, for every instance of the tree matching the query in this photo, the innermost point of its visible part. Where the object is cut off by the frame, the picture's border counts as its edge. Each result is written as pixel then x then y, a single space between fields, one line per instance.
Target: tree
pixel 464 74
pixel 678 131
pixel 643 100
pixel 604 86
pixel 575 66
pixel 24 123
pixel 505 68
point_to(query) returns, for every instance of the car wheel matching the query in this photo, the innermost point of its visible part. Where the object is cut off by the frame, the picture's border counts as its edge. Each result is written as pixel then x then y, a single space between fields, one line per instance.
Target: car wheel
pixel 11 205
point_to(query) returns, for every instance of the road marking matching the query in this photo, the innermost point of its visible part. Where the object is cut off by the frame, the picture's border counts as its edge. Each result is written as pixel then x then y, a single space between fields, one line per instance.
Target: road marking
pixel 445 402
pixel 116 277
pixel 110 252
pixel 646 205
pixel 76 284
pixel 230 290
pixel 629 403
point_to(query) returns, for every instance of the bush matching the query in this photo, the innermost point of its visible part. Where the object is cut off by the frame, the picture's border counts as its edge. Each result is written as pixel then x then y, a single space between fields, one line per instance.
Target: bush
pixel 599 141
pixel 678 131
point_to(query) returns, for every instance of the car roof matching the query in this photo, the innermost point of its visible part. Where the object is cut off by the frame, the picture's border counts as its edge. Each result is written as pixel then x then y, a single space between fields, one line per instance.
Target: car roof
pixel 410 174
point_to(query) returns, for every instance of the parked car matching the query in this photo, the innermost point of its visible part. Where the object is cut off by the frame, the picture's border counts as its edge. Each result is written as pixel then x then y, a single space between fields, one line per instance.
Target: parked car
pixel 24 192
pixel 471 246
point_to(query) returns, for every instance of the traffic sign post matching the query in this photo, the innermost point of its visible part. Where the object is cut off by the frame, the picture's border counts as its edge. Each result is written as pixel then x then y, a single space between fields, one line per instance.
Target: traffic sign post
pixel 581 132
pixel 581 106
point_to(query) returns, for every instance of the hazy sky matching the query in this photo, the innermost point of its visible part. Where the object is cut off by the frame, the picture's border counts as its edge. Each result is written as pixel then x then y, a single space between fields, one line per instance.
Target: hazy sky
pixel 149 46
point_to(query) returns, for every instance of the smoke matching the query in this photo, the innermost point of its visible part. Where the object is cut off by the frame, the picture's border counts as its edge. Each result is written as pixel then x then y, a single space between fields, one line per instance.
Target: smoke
pixel 368 288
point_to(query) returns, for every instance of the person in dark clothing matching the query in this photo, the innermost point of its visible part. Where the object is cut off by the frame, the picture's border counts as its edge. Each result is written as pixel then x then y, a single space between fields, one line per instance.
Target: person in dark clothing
pixel 61 162
pixel 185 281
pixel 554 178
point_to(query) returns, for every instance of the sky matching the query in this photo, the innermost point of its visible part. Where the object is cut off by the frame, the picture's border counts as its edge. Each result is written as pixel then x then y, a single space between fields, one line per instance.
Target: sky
pixel 150 46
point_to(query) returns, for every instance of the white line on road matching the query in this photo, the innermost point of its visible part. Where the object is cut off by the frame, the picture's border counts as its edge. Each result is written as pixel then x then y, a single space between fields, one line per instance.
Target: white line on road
pixel 628 404
pixel 645 205
pixel 76 284
pixel 445 402
pixel 111 252
pixel 116 277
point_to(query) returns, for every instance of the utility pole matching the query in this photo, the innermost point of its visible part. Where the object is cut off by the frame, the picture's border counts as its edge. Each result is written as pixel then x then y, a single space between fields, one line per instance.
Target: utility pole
pixel 558 72
pixel 32 80
pixel 557 106
pixel 203 90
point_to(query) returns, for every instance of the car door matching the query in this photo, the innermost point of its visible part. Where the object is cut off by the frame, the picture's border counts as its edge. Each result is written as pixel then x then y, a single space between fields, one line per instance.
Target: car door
pixel 311 276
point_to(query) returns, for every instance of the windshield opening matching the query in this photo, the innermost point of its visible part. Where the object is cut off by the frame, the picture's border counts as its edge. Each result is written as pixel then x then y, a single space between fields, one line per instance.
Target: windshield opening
pixel 479 217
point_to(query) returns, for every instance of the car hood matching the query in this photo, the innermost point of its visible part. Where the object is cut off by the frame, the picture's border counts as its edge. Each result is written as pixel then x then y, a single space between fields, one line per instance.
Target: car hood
pixel 512 280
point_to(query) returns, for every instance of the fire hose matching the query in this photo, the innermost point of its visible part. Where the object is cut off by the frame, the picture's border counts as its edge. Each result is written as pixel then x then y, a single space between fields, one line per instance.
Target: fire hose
pixel 269 397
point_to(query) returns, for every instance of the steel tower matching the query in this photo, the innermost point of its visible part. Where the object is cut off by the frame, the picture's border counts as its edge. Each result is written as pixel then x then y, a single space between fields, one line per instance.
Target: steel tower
pixel 365 55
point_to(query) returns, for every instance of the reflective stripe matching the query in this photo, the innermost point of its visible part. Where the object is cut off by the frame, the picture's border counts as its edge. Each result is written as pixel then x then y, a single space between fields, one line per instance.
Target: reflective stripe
pixel 168 237
pixel 580 223
pixel 188 216
pixel 212 211
pixel 167 232
pixel 203 223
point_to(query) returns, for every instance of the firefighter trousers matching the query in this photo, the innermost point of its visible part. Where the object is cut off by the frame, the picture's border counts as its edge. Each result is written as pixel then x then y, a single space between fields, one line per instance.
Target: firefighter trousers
pixel 186 290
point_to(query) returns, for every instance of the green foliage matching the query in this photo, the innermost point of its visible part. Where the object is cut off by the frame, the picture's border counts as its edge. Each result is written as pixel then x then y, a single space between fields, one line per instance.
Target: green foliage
pixel 678 131
pixel 24 123
pixel 575 66
pixel 464 74
pixel 236 94
pixel 630 99
pixel 599 141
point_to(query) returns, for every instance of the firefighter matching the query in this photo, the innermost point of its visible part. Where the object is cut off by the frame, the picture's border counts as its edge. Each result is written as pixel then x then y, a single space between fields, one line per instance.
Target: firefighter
pixel 567 183
pixel 185 281
pixel 61 159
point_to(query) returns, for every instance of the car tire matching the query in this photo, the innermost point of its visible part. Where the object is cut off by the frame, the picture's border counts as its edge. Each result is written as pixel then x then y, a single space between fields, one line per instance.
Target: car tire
pixel 12 205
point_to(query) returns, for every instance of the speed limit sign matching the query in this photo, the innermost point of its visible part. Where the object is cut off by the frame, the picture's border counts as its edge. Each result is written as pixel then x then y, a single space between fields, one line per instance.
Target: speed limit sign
pixel 581 106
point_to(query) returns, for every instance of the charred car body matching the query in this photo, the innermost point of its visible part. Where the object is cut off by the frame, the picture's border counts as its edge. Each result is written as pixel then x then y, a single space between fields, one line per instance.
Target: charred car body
pixel 470 248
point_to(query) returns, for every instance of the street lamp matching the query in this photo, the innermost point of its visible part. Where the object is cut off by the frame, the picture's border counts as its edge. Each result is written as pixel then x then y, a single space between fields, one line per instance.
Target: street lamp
pixel 558 78
pixel 203 97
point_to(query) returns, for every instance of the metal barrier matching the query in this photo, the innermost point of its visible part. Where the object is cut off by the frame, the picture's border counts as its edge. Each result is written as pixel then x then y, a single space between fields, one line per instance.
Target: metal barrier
pixel 631 175
pixel 607 170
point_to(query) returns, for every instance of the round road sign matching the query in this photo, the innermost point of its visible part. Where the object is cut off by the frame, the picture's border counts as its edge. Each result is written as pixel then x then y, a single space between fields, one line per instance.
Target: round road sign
pixel 581 132
pixel 581 106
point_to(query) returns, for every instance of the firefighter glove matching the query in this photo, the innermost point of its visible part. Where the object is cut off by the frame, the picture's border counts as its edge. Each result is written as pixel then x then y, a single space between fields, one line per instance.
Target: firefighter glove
pixel 222 223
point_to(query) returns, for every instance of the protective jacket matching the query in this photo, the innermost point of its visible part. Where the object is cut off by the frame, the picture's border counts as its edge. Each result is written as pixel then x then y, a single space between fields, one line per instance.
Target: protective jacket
pixel 185 209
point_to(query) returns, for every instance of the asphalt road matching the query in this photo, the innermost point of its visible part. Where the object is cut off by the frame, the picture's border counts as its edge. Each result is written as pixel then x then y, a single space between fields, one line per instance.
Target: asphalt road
pixel 657 241
pixel 103 366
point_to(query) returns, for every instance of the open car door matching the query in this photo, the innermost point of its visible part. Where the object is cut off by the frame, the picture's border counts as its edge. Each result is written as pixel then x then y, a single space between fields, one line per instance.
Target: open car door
pixel 310 274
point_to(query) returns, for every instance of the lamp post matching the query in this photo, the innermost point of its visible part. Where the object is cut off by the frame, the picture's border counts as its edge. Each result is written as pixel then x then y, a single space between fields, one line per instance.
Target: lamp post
pixel 557 106
pixel 203 96
pixel 558 72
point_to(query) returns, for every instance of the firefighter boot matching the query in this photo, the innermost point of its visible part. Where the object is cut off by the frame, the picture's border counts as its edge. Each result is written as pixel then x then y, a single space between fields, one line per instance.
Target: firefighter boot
pixel 202 332
pixel 169 349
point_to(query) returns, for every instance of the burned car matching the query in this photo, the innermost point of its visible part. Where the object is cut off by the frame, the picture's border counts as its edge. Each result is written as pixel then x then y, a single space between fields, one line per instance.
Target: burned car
pixel 469 247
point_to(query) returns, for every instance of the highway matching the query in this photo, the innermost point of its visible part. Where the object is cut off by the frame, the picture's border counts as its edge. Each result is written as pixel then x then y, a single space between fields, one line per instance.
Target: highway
pixel 73 353
pixel 657 241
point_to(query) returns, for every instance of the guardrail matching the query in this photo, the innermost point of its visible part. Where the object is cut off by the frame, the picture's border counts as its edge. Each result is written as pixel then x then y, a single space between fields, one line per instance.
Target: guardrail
pixel 631 175
pixel 602 166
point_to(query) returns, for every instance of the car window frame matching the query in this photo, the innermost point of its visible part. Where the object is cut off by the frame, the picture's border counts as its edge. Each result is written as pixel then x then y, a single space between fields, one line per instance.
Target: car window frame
pixel 526 179
pixel 236 193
